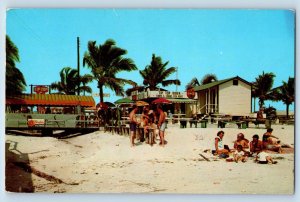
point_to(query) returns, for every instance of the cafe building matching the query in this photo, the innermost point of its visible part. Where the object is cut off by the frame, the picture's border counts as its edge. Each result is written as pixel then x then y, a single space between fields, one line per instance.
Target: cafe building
pixel 184 103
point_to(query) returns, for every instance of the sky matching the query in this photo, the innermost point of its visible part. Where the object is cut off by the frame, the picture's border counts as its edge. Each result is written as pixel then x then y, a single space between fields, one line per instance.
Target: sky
pixel 226 43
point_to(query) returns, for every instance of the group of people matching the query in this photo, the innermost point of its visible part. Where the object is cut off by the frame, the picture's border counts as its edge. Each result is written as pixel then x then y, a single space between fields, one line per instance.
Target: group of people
pixel 150 120
pixel 243 148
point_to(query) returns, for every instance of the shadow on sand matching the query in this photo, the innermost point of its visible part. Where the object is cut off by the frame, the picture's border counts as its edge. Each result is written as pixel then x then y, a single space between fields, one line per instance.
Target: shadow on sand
pixel 17 179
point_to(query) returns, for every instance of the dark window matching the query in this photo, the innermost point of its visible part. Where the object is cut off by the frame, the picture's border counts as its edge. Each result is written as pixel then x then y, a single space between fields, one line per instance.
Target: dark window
pixel 235 82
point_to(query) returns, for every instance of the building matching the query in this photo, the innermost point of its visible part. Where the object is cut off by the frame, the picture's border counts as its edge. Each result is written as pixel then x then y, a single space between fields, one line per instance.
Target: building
pixel 181 104
pixel 229 96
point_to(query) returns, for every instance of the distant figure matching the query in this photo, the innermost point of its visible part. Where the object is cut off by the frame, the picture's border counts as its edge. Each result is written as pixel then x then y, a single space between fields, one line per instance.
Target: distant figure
pixel 133 123
pixel 256 145
pixel 241 140
pixel 264 158
pixel 239 155
pixel 270 142
pixel 161 124
pixel 260 114
pixel 48 110
pixel 219 148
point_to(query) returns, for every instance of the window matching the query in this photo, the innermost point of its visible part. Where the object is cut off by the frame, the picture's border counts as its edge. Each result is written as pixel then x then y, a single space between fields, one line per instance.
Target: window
pixel 235 82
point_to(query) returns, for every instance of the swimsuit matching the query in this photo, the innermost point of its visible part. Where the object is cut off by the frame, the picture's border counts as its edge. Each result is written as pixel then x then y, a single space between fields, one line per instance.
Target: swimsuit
pixel 163 126
pixel 132 126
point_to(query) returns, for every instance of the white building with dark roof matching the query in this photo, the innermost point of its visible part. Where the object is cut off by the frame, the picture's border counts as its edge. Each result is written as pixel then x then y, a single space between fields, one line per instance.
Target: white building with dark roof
pixel 230 96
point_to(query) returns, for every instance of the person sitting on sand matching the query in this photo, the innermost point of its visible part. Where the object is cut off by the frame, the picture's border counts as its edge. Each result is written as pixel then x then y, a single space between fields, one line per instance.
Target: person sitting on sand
pixel 241 140
pixel 256 145
pixel 264 158
pixel 133 123
pixel 270 142
pixel 239 155
pixel 219 148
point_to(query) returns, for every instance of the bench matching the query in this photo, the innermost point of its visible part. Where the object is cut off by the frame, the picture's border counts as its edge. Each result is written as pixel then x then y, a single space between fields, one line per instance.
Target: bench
pixel 203 123
pixel 240 124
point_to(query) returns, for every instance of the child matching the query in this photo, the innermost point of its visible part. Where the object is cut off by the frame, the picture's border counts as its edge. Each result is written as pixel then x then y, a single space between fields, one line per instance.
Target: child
pixel 264 158
pixel 239 154
pixel 153 126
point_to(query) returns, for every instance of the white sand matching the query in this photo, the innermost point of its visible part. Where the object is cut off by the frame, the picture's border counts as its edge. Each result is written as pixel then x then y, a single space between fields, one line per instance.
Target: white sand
pixel 104 163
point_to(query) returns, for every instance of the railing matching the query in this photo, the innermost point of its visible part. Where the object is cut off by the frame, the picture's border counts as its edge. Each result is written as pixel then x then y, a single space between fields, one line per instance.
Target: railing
pixel 210 108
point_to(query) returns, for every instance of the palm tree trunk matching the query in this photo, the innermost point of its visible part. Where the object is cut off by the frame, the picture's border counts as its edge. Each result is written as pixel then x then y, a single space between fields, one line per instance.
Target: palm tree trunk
pixel 287 110
pixel 101 92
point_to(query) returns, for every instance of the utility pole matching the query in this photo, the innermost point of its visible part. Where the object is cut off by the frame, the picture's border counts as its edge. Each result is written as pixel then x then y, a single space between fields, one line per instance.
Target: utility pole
pixel 176 78
pixel 78 66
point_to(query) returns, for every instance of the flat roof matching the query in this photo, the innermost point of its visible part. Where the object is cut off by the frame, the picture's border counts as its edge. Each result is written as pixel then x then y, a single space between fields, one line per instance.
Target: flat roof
pixel 51 100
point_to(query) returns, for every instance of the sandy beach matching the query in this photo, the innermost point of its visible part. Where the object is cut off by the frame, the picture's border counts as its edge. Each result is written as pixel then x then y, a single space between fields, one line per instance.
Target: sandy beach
pixel 100 162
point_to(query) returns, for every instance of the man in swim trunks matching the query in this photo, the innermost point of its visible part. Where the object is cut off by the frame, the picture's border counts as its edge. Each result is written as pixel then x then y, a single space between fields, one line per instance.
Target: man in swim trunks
pixel 133 123
pixel 161 124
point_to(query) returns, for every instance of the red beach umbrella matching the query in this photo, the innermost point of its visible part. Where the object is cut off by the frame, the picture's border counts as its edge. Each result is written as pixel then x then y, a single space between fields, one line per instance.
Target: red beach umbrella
pixel 161 101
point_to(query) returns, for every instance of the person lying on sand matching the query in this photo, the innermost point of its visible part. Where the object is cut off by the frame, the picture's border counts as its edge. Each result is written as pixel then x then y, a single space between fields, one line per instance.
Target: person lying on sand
pixel 270 142
pixel 269 137
pixel 264 158
pixel 239 155
pixel 219 148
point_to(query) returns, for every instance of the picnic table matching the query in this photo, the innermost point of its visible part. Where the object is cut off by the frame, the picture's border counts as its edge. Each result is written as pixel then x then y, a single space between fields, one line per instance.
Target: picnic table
pixel 239 123
pixel 203 123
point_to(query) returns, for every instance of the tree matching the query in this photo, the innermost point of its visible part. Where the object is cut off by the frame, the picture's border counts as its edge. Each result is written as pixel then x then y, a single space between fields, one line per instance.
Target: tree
pixel 105 61
pixel 156 73
pixel 194 82
pixel 68 83
pixel 134 88
pixel 15 81
pixel 262 87
pixel 286 93
pixel 208 78
pixel 85 79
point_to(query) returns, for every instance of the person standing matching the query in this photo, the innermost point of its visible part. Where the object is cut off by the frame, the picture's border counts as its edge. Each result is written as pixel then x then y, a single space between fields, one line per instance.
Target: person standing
pixel 161 125
pixel 133 123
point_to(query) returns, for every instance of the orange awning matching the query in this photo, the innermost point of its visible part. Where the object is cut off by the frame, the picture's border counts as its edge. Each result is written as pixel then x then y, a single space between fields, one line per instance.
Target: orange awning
pixel 51 100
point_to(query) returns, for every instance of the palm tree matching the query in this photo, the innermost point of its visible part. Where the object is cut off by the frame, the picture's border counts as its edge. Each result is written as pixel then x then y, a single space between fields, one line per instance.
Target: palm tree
pixel 105 61
pixel 134 88
pixel 208 78
pixel 194 82
pixel 68 83
pixel 262 87
pixel 15 81
pixel 156 73
pixel 85 79
pixel 286 93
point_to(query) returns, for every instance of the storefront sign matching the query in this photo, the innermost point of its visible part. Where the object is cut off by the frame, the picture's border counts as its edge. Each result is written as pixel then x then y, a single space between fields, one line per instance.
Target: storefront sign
pixel 35 122
pixel 190 93
pixel 40 89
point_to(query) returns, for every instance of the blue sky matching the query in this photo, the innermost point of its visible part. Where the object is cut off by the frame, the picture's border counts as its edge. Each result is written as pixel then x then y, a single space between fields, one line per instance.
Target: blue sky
pixel 224 42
